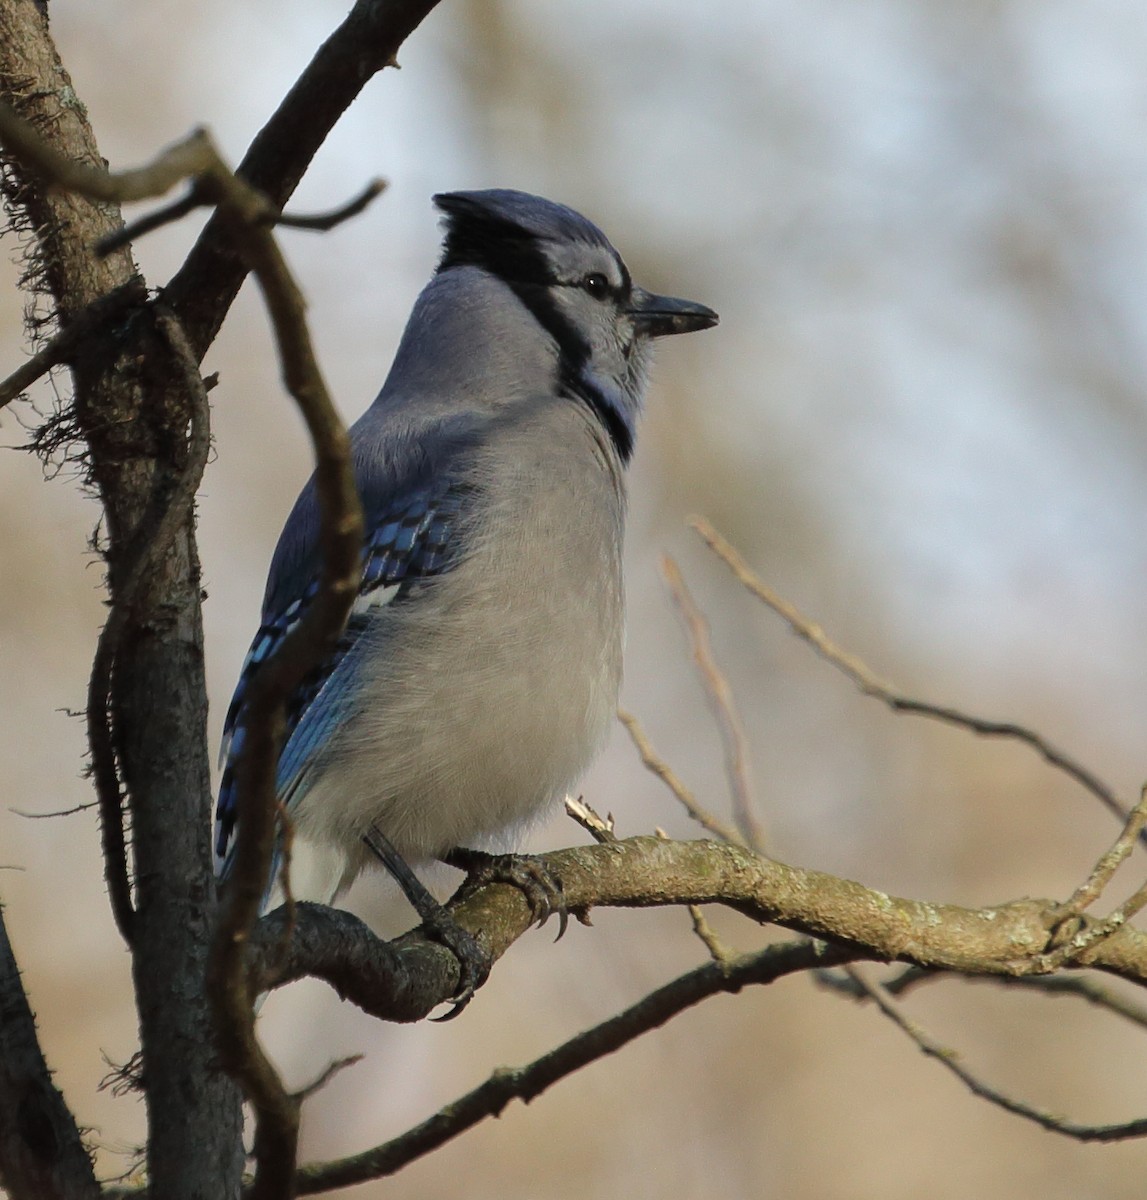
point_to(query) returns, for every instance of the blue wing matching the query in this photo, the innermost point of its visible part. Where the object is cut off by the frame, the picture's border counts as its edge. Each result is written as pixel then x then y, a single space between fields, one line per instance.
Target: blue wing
pixel 414 538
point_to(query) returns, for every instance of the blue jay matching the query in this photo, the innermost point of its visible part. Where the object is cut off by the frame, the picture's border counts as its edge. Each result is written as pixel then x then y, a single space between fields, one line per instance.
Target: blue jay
pixel 480 667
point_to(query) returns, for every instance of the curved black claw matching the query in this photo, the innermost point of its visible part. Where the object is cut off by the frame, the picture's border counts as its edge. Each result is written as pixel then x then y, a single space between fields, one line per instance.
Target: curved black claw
pixel 473 962
pixel 531 876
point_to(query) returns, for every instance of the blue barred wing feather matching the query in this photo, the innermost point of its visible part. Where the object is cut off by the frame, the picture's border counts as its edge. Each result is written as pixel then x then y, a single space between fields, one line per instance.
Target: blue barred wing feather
pixel 413 540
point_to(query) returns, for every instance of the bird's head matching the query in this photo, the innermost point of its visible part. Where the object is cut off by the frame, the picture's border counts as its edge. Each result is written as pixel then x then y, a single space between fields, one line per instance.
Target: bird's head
pixel 564 270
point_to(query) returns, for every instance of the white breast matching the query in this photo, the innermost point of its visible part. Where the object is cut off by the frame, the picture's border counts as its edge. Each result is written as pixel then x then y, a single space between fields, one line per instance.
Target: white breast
pixel 489 692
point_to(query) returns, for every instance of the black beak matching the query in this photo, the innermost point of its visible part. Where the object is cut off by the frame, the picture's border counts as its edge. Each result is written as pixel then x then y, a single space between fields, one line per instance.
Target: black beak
pixel 656 316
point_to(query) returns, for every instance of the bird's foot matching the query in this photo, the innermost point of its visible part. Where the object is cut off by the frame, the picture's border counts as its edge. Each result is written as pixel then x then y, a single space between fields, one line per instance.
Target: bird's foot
pixel 474 963
pixel 530 875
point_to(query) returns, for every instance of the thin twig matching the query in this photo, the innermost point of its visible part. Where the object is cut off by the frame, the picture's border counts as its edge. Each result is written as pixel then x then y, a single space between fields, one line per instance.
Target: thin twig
pixel 92 320
pixel 1079 986
pixel 724 707
pixel 1088 936
pixel 324 222
pixel 167 214
pixel 332 1069
pixel 871 685
pixel 526 1083
pixel 598 827
pixel 59 812
pixel 718 951
pixel 659 767
pixel 1089 891
pixel 197 198
pixel 950 1059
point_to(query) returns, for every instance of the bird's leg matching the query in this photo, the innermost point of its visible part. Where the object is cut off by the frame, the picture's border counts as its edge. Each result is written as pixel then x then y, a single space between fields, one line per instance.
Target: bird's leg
pixel 473 962
pixel 541 887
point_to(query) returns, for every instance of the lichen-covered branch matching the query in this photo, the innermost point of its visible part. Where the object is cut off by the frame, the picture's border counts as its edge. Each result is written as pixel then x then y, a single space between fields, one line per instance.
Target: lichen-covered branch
pixel 406 979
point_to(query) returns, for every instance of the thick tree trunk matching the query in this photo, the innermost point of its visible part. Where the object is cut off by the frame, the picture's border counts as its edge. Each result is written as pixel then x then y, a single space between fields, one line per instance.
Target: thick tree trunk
pixel 132 412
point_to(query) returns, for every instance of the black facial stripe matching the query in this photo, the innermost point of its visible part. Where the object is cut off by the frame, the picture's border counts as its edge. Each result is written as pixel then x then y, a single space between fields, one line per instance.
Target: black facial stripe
pixel 515 257
pixel 619 433
pixel 573 354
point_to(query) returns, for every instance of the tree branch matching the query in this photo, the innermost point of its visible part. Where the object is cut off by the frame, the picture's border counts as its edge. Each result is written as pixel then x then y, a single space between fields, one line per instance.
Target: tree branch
pixel 92 321
pixel 368 40
pixel 949 1059
pixel 526 1083
pixel 721 701
pixel 132 409
pixel 41 1154
pixel 653 762
pixel 871 685
pixel 406 979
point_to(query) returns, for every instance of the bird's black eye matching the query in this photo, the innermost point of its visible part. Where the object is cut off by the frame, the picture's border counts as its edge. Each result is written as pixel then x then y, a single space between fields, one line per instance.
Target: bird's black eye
pixel 597 285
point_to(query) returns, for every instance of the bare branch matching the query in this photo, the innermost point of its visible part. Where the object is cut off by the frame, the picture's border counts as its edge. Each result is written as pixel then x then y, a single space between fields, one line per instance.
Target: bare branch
pixel 723 705
pixel 92 321
pixel 872 685
pixel 1052 985
pixel 340 1064
pixel 599 828
pixel 1104 870
pixel 718 951
pixel 153 538
pixel 950 1059
pixel 653 762
pixel 406 979
pixel 526 1083
pixel 367 41
pixel 59 812
pixel 197 197
pixel 149 222
pixel 323 222
pixel 178 162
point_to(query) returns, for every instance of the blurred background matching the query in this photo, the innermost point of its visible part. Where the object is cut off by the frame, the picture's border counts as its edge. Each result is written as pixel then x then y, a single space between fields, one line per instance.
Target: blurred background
pixel 922 419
